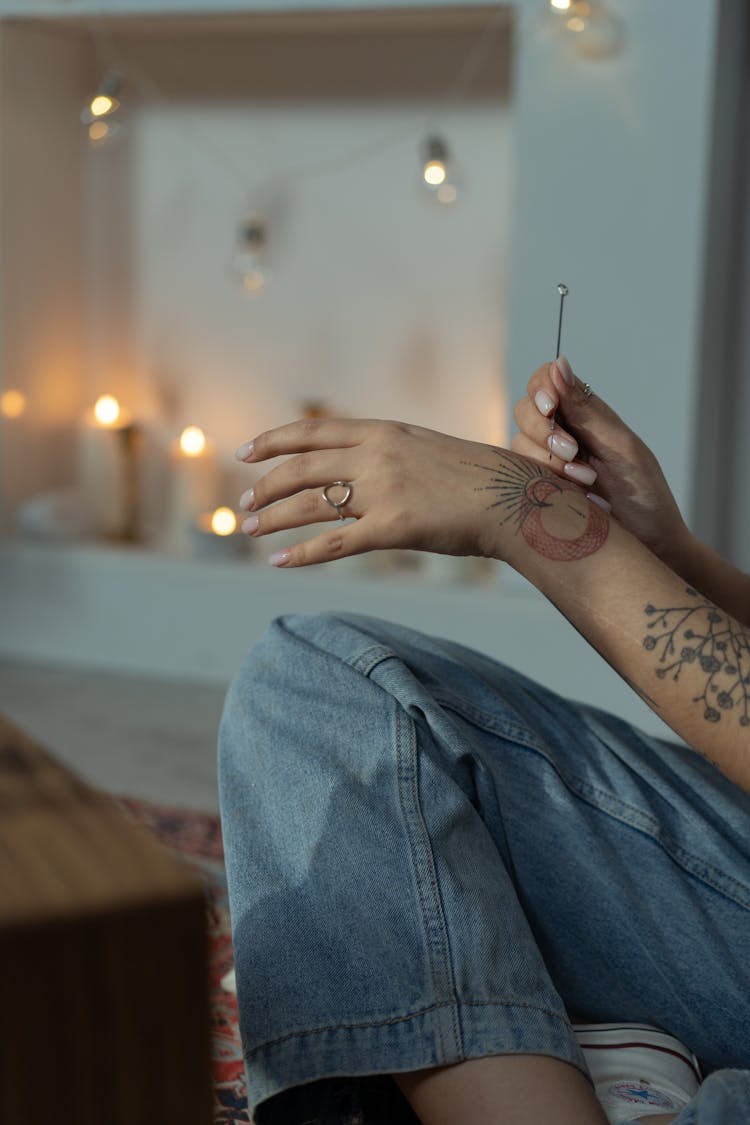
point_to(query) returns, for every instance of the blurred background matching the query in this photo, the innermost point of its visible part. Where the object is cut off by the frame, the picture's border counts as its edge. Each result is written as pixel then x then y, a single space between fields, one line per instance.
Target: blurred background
pixel 218 217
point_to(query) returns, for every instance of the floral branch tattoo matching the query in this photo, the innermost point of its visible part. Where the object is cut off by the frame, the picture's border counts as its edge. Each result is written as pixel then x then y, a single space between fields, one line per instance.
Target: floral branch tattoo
pixel 540 506
pixel 708 640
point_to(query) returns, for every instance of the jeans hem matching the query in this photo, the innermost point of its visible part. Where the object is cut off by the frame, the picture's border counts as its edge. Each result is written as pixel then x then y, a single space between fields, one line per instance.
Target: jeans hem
pixel 406 1043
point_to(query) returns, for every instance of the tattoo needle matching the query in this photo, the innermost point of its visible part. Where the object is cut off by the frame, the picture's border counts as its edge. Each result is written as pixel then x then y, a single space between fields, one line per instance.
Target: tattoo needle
pixel 562 289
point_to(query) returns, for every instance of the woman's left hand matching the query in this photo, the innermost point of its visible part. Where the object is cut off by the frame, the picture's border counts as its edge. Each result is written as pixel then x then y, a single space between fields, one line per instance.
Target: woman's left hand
pixel 411 488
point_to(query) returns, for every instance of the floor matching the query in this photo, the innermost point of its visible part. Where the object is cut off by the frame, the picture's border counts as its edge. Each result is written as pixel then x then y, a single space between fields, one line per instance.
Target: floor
pixel 129 736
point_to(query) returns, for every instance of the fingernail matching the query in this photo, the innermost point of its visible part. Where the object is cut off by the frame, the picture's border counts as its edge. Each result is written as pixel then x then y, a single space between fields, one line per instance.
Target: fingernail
pixel 562 447
pixel 599 500
pixel 565 370
pixel 250 524
pixel 246 499
pixel 584 474
pixel 244 451
pixel 544 404
pixel 278 558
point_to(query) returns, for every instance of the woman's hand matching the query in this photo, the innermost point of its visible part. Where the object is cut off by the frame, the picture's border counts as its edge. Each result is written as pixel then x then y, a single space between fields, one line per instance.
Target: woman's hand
pixel 591 444
pixel 411 488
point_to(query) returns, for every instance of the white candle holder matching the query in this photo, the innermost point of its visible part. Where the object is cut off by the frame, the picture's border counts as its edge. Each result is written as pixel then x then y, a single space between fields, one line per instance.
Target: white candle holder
pixel 211 545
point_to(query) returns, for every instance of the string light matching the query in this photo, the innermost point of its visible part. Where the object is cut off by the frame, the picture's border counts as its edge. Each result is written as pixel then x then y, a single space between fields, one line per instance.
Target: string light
pixel 99 114
pixel 591 29
pixel 249 263
pixel 579 19
pixel 436 171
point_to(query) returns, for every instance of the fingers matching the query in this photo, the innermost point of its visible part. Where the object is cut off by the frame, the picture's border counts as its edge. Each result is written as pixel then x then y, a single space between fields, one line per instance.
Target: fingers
pixel 303 436
pixel 304 471
pixel 305 508
pixel 574 470
pixel 349 539
pixel 535 425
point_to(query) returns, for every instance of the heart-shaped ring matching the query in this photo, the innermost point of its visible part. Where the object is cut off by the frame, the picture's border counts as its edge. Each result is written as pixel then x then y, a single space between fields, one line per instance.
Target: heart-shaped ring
pixel 338 504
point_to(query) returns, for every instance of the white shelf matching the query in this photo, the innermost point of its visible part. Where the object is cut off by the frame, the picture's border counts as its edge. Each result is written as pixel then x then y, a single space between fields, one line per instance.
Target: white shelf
pixel 138 612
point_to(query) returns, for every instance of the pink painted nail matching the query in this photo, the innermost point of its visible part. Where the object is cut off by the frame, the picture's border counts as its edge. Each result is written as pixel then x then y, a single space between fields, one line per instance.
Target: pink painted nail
pixel 244 451
pixel 565 370
pixel 250 524
pixel 544 404
pixel 600 501
pixel 246 499
pixel 562 447
pixel 584 474
pixel 278 558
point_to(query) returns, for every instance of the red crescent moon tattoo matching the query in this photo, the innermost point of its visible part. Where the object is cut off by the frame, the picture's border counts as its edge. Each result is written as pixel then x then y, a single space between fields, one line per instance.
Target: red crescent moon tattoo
pixel 529 493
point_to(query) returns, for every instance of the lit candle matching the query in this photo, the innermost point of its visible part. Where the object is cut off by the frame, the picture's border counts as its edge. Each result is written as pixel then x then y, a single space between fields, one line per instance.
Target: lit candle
pixel 192 486
pixel 107 468
pixel 12 403
pixel 216 536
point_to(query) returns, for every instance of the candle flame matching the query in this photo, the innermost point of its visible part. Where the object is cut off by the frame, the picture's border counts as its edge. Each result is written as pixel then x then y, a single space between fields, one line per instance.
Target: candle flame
pixel 12 403
pixel 192 441
pixel 223 521
pixel 106 410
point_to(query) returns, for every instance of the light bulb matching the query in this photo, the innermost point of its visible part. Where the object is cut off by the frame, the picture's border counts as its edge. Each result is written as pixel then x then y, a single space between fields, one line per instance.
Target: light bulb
pixel 223 521
pixel 12 403
pixel 192 441
pixel 106 410
pixel 103 104
pixel 99 114
pixel 249 262
pixel 437 176
pixel 435 173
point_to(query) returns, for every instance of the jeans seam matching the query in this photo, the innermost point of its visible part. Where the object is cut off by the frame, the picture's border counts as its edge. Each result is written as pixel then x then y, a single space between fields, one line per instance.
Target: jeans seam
pixel 408 789
pixel 499 1003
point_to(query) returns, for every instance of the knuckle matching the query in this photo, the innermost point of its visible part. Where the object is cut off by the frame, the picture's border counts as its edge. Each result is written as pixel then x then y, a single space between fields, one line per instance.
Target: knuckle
pixel 309 428
pixel 311 503
pixel 301 465
pixel 389 433
pixel 335 545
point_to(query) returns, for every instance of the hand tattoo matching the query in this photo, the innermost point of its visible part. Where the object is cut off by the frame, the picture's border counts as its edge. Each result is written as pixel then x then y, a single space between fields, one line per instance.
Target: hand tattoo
pixel 714 643
pixel 540 504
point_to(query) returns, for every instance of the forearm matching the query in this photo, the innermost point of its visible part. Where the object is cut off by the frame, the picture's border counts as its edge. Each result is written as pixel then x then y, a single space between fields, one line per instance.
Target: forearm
pixel 708 572
pixel 688 659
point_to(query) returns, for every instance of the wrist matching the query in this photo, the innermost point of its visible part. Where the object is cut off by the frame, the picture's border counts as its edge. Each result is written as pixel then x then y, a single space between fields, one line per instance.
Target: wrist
pixel 679 550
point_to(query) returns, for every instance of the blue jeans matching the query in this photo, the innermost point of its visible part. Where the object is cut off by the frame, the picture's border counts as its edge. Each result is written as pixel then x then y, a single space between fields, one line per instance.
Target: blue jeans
pixel 430 858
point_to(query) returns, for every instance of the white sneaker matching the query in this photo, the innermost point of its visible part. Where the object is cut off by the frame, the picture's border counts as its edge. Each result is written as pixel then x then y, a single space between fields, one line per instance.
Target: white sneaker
pixel 637 1070
pixel 229 982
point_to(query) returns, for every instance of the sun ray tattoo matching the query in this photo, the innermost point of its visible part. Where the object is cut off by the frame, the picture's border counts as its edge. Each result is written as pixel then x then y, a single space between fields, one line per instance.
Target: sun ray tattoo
pixel 533 499
pixel 711 642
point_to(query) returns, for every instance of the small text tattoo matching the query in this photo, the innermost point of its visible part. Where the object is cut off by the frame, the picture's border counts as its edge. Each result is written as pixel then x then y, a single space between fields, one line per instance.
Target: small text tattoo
pixel 541 508
pixel 711 642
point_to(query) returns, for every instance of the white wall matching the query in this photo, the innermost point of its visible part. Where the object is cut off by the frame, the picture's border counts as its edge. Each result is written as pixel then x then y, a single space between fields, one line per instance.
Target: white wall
pixel 380 303
pixel 616 165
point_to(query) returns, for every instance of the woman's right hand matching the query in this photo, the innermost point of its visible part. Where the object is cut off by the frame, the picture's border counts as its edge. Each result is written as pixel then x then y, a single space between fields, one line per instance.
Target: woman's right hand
pixel 589 438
